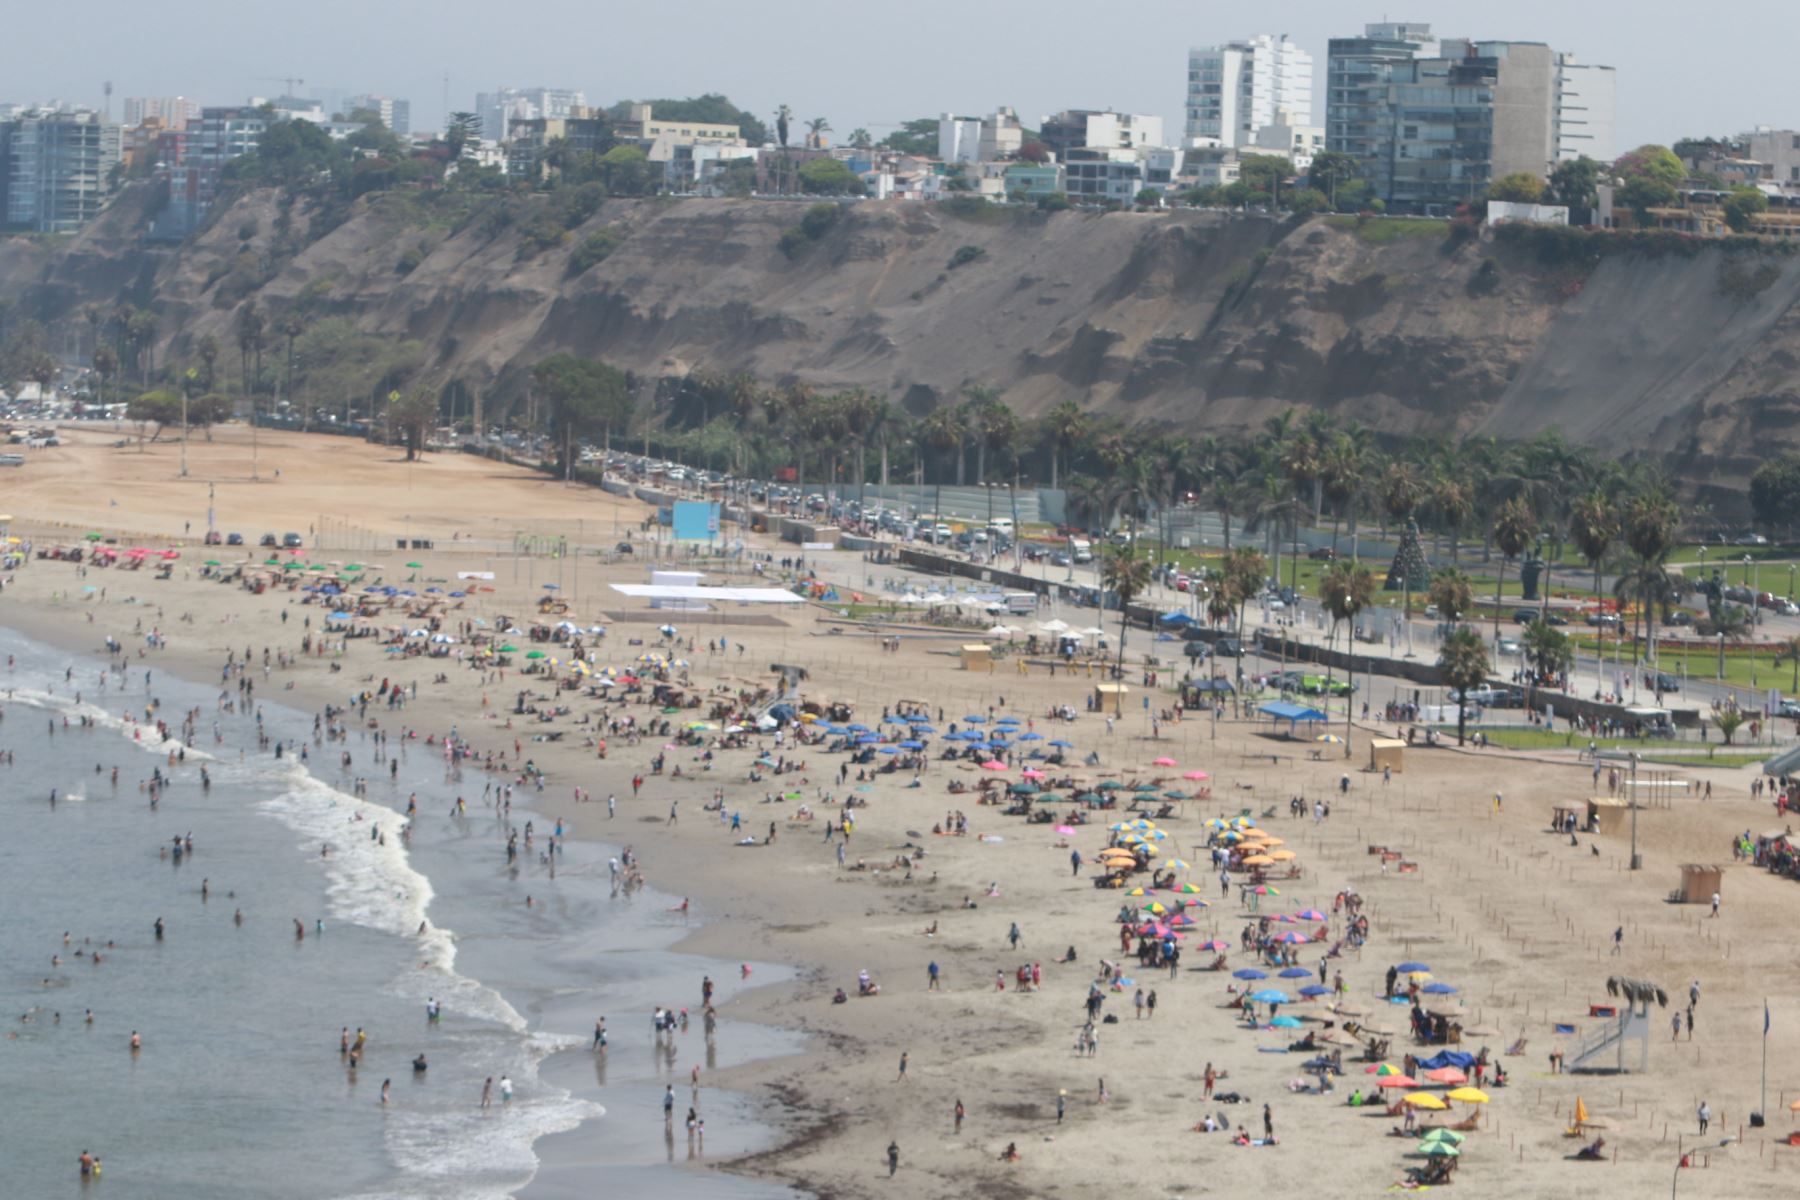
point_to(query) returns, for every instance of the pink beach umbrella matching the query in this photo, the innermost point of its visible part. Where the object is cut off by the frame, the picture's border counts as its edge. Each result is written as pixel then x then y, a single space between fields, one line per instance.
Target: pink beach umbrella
pixel 1164 762
pixel 1195 775
pixel 993 765
pixel 1311 914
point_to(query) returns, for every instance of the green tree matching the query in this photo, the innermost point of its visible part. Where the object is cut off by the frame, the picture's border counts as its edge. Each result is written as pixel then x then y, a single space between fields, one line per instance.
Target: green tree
pixel 829 177
pixel 783 115
pixel 581 395
pixel 1066 425
pixel 1742 206
pixel 1651 161
pixel 1515 527
pixel 710 109
pixel 1775 492
pixel 1463 663
pixel 1593 525
pixel 462 133
pixel 1452 592
pixel 1643 193
pixel 414 416
pixel 1729 720
pixel 158 408
pixel 1126 574
pixel 1330 171
pixel 918 137
pixel 1245 571
pixel 1573 182
pixel 1346 589
pixel 816 129
pixel 1520 187
pixel 1550 651
pixel 626 171
pixel 1304 202
pixel 860 139
pixel 1788 650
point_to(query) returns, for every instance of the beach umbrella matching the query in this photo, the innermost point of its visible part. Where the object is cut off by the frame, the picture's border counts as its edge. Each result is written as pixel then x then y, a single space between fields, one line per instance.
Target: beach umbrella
pixel 1088 798
pixel 1190 889
pixel 1024 789
pixel 1467 1095
pixel 1439 989
pixel 910 744
pixel 1315 989
pixel 1263 889
pixel 1295 973
pixel 1031 737
pixel 1443 1134
pixel 1247 972
pixel 1108 785
pixel 1155 909
pixel 1163 762
pixel 1382 1069
pixel 993 764
pixel 509 649
pixel 1282 855
pixel 1439 1149
pixel 414 566
pixel 1310 914
pixel 1406 968
pixel 94 537
pixel 1293 938
pixel 1176 864
pixel 1258 860
pixel 1059 742
pixel 1424 1100
pixel 1032 773
pixel 1195 775
pixel 548 587
pixel 1066 830
pixel 534 654
pixel 1284 1022
pixel 1447 1075
pixel 975 720
pixel 1007 721
pixel 918 728
pixel 1215 946
pixel 1328 737
pixel 1396 1081
pixel 1272 996
pixel 1146 786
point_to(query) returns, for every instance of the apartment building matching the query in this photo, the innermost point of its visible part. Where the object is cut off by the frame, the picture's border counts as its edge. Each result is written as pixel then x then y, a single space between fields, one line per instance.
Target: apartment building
pixel 395 114
pixel 499 108
pixel 1235 89
pixel 55 167
pixel 173 111
pixel 1082 128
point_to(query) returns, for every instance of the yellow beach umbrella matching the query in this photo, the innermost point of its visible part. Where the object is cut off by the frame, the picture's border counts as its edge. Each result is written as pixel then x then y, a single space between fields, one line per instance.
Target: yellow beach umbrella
pixel 1282 855
pixel 1424 1100
pixel 1467 1095
pixel 1258 860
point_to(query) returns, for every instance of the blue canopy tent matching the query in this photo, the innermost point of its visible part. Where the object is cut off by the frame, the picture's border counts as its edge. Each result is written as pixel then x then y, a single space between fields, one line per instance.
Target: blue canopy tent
pixel 1293 714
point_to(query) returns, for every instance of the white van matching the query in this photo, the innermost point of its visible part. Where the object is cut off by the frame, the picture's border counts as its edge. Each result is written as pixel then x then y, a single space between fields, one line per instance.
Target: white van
pixel 1001 525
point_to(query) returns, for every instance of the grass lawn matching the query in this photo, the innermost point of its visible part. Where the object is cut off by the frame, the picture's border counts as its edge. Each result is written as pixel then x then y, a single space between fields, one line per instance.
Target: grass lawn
pixel 1379 231
pixel 1662 750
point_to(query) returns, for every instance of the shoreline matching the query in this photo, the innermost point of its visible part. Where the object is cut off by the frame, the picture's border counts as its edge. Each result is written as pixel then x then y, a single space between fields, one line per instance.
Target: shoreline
pixel 743 1080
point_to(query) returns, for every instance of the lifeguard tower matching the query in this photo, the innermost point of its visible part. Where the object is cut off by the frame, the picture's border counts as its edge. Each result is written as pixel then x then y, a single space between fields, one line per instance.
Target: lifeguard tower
pixel 1603 1051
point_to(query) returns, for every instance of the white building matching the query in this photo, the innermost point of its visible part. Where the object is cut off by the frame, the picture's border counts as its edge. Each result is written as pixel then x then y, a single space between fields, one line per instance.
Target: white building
pixel 173 111
pixel 1237 88
pixel 959 139
pixel 1584 110
pixel 1779 150
pixel 1296 142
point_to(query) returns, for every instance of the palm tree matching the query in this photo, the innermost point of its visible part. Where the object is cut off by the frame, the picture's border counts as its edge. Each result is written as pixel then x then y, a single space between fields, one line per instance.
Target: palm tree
pixel 816 129
pixel 1550 651
pixel 943 431
pixel 1729 719
pixel 1788 648
pixel 291 328
pixel 1514 528
pixel 105 364
pixel 1463 662
pixel 1067 426
pixel 209 355
pixel 1453 592
pixel 783 114
pixel 1345 589
pixel 1593 525
pixel 860 139
pixel 1126 574
pixel 1341 472
pixel 1451 500
pixel 1245 570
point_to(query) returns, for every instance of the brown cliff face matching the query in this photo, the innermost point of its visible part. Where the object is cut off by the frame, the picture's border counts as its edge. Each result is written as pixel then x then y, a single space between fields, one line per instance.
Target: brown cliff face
pixel 1204 320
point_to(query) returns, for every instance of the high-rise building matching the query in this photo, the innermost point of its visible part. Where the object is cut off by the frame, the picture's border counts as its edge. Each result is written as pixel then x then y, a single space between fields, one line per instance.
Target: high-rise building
pixel 54 168
pixel 498 108
pixel 173 111
pixel 1433 122
pixel 212 140
pixel 1584 111
pixel 395 114
pixel 1235 89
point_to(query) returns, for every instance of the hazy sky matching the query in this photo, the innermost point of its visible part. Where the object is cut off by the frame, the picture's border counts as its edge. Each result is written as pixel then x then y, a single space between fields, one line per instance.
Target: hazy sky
pixel 1681 70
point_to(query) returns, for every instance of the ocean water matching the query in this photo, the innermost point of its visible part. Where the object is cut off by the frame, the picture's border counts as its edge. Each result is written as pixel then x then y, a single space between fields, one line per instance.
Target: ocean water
pixel 239 1089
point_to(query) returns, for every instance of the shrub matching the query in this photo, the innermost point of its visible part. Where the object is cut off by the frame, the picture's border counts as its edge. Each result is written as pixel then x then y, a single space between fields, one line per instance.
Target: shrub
pixel 409 260
pixel 965 255
pixel 595 248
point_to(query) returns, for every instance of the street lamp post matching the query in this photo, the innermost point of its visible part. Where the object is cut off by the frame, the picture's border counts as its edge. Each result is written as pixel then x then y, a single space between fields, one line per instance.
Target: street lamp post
pixel 1637 860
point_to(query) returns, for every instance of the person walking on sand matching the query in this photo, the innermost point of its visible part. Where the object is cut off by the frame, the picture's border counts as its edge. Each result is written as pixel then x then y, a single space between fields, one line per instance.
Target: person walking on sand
pixel 1715 904
pixel 1268 1123
pixel 668 1104
pixel 893 1158
pixel 901 1077
pixel 506 1091
pixel 931 976
pixel 1211 1078
pixel 487 1093
pixel 1062 1103
pixel 1705 1115
pixel 959 1112
pixel 386 1089
pixel 1013 935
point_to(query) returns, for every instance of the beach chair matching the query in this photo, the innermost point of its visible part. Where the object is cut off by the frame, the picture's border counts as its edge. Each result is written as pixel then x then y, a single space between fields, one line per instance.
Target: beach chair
pixel 1469 1124
pixel 1245 812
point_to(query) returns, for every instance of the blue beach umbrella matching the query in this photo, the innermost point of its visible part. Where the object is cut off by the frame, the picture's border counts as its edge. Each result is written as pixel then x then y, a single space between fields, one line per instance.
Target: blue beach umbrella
pixel 1407 968
pixel 1439 989
pixel 1249 973
pixel 1271 996
pixel 1296 973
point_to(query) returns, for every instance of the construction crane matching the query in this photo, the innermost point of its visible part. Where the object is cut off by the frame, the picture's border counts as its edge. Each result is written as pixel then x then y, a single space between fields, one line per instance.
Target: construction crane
pixel 290 82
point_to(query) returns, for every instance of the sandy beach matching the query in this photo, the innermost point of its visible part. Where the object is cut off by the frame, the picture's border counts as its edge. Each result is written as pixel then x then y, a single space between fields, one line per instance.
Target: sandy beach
pixel 1519 921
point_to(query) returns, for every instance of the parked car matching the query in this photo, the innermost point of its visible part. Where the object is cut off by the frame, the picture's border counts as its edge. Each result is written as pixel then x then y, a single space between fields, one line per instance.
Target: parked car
pixel 623 548
pixel 1661 681
pixel 214 538
pixel 1484 695
pixel 267 539
pixel 1508 645
pixel 1604 620
pixel 1060 559
pixel 234 539
pixel 1315 685
pixel 1196 650
pixel 1228 648
pixel 1555 618
pixel 1752 539
pixel 1525 616
pixel 1681 616
pixel 1791 709
pixel 1322 554
pixel 291 541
